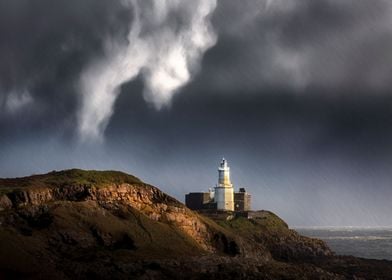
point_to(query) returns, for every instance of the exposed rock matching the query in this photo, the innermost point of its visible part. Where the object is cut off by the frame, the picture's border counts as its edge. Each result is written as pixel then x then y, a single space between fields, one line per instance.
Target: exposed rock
pixel 5 203
pixel 145 198
pixel 110 225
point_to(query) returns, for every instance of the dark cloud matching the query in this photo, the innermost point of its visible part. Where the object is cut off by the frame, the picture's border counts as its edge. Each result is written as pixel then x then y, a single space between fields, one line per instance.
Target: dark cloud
pixel 295 94
pixel 45 45
pixel 300 45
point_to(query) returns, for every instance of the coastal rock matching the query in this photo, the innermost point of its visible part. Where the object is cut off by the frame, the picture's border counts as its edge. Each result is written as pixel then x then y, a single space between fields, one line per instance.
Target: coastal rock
pixel 5 203
pixel 144 198
pixel 110 225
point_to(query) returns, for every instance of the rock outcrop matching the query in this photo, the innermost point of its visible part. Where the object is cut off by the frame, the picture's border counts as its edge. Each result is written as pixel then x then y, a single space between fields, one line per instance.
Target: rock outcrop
pixel 109 225
pixel 30 203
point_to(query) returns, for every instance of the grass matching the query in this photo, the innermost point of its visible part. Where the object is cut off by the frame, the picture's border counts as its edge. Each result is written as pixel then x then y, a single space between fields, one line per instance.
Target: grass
pixel 151 237
pixel 68 177
pixel 5 190
pixel 265 226
pixel 266 220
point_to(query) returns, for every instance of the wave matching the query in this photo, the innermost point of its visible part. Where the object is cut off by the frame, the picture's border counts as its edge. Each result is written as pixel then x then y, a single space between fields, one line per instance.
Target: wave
pixel 345 228
pixel 359 238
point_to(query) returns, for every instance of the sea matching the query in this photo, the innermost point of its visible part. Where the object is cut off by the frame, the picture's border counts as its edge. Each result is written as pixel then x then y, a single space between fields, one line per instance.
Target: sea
pixel 371 243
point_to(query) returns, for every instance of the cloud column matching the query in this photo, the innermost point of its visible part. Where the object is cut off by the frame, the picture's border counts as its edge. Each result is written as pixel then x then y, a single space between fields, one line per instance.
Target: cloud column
pixel 165 44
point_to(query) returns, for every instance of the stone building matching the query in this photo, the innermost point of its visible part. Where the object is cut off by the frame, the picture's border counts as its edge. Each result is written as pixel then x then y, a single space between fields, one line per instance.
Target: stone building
pixel 242 200
pixel 223 197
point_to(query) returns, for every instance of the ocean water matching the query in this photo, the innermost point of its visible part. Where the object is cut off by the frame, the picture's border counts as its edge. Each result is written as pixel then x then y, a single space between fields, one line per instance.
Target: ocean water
pixel 372 243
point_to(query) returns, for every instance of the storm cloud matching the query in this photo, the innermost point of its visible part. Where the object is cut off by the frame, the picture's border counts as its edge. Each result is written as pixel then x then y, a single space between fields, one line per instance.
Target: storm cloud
pixel 69 58
pixel 295 93
pixel 327 45
pixel 44 47
pixel 165 43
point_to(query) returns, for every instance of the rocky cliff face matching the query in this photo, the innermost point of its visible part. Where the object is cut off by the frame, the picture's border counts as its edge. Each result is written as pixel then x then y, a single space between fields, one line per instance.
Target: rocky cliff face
pixel 41 203
pixel 150 201
pixel 273 233
pixel 86 224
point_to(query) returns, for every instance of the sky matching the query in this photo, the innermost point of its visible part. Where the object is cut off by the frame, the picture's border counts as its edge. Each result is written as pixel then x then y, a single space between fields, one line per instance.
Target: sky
pixel 295 94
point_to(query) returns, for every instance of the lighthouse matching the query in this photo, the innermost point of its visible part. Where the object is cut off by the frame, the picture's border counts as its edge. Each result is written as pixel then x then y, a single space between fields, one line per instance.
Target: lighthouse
pixel 222 198
pixel 224 191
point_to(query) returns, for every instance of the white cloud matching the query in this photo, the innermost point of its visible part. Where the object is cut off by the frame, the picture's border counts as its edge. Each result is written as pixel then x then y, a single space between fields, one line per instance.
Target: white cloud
pixel 165 52
pixel 16 100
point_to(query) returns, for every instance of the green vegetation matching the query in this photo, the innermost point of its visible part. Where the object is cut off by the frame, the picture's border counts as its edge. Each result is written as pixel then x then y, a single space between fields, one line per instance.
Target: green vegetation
pixel 106 228
pixel 216 226
pixel 117 228
pixel 263 222
pixel 69 177
pixel 239 224
pixel 5 190
pixel 91 177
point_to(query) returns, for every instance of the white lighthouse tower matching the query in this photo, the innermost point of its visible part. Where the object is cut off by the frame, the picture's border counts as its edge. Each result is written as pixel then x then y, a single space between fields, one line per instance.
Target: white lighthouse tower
pixel 224 192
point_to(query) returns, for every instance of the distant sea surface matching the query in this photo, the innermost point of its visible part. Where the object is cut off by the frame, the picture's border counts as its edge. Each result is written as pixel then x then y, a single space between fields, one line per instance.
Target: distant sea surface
pixel 371 243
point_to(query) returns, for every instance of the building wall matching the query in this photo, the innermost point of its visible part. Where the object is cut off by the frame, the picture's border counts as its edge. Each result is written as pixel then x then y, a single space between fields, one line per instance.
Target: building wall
pixel 195 201
pixel 242 201
pixel 248 203
pixel 224 177
pixel 199 201
pixel 224 198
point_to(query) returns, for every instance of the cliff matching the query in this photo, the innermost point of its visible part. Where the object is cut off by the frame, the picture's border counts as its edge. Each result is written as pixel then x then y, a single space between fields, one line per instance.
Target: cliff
pixel 274 234
pixel 79 224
